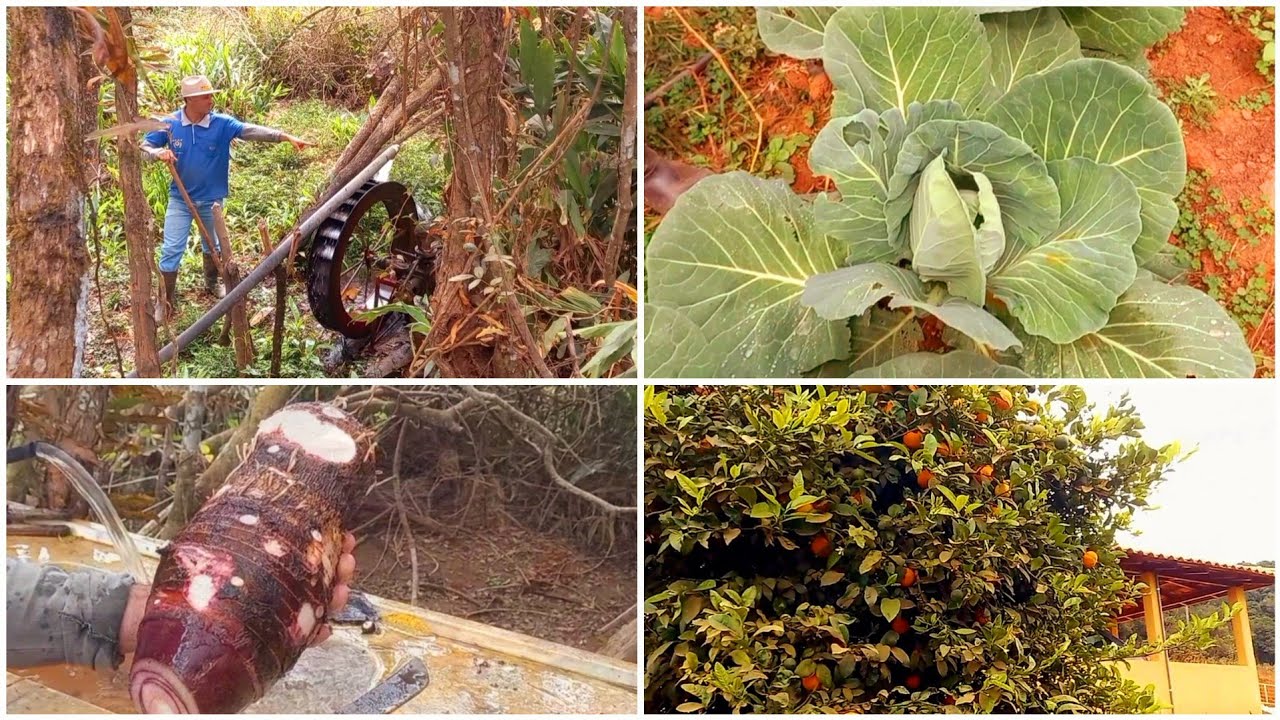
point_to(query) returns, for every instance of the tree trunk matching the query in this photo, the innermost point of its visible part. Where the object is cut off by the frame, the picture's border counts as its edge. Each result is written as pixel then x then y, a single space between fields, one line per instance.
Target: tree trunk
pixel 189 463
pixel 48 260
pixel 269 399
pixel 475 52
pixel 137 222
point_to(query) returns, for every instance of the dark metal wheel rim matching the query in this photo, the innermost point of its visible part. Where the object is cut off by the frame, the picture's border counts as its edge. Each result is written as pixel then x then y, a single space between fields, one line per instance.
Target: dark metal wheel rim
pixel 327 268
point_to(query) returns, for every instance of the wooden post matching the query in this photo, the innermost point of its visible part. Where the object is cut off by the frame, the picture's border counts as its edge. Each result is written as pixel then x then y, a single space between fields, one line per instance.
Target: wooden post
pixel 238 319
pixel 1240 628
pixel 282 279
pixel 1153 613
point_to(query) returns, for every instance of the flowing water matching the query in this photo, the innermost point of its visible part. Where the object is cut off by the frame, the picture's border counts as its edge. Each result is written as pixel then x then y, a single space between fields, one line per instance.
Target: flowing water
pixel 88 488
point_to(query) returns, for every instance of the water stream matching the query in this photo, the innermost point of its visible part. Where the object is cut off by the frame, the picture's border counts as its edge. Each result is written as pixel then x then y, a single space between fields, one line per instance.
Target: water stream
pixel 89 489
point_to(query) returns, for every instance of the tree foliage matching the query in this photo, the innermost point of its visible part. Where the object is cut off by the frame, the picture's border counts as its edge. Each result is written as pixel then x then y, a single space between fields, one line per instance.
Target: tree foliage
pixel 902 548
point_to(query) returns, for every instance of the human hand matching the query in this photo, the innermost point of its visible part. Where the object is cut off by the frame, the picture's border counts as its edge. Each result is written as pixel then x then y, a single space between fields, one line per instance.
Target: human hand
pixel 297 143
pixel 341 589
pixel 166 155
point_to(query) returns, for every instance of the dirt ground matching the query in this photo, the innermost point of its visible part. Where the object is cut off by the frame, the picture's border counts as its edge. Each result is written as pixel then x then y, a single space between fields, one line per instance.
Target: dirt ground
pixel 1238 148
pixel 510 578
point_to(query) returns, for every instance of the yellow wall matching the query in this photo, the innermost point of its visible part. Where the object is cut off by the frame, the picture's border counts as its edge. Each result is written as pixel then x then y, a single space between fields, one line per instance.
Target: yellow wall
pixel 1199 687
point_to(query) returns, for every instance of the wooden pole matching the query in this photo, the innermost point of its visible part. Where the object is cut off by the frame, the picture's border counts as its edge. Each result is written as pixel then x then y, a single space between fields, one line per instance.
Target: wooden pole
pixel 238 318
pixel 282 278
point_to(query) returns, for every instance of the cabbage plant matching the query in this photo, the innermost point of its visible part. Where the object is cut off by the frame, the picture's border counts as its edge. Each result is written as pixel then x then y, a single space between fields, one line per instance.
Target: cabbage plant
pixel 1007 173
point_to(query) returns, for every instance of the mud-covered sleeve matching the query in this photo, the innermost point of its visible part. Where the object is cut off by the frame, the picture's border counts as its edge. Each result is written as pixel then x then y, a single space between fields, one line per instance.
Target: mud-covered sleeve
pixel 55 616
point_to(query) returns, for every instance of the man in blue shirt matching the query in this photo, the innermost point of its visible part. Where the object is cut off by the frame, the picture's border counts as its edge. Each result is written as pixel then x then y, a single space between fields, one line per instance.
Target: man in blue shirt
pixel 198 143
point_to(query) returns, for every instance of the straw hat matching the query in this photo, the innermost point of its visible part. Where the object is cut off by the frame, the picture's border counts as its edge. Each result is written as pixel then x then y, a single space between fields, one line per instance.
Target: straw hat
pixel 196 85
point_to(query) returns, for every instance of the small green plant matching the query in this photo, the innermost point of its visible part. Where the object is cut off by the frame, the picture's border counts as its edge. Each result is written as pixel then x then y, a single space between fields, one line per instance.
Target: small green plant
pixel 1256 101
pixel 775 160
pixel 1194 99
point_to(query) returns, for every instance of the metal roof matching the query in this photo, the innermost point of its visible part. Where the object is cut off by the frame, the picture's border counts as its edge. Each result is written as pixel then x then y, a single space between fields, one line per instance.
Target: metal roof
pixel 1187 581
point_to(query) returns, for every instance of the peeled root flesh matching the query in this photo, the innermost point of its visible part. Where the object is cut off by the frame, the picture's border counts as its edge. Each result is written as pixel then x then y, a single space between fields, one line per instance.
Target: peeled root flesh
pixel 157 689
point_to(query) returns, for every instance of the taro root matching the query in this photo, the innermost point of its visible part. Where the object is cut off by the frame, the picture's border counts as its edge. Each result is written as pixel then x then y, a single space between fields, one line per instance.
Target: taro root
pixel 244 587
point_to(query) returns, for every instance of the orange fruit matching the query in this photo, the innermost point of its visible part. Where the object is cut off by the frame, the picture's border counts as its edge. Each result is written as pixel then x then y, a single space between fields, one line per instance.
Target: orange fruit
pixel 913 682
pixel 888 407
pixel 900 625
pixel 811 682
pixel 985 472
pixel 807 507
pixel 859 497
pixel 1002 490
pixel 914 439
pixel 924 479
pixel 981 617
pixel 982 417
pixel 944 449
pixel 820 546
pixel 949 700
pixel 908 577
pixel 1090 558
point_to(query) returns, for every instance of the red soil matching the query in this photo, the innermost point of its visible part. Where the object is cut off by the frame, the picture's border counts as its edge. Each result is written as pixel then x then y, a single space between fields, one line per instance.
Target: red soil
pixel 1238 148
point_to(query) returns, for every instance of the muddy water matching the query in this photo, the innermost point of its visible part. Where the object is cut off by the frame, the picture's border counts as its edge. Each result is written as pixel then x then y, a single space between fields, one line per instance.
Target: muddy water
pixel 465 678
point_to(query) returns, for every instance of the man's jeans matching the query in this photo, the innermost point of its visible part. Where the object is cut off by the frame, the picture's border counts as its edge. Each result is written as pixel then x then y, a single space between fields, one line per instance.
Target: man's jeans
pixel 177 229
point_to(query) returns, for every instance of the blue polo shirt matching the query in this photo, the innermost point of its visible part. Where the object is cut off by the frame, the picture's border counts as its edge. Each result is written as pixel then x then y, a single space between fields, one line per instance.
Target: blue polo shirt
pixel 203 150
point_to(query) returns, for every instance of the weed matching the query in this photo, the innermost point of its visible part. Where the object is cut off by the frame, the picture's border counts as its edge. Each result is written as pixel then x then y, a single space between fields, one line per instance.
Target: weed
pixel 1261 21
pixel 1203 223
pixel 1256 101
pixel 1194 99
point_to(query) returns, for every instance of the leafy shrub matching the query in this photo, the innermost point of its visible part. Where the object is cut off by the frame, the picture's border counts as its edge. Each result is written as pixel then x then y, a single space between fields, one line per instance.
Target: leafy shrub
pixel 991 179
pixel 891 549
pixel 230 65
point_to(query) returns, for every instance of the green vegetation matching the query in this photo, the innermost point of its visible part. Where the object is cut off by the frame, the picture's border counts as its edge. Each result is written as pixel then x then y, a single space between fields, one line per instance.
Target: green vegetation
pixel 1208 225
pixel 707 108
pixel 1194 99
pixel 1256 101
pixel 271 182
pixel 1261 21
pixel 892 549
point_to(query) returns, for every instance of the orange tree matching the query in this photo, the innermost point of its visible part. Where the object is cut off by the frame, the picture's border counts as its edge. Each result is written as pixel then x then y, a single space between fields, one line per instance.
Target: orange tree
pixel 890 549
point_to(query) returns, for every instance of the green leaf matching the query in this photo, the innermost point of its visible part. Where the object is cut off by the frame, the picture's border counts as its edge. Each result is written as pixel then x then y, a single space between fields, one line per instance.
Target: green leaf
pixel 869 562
pixel 762 510
pixel 889 607
pixel 871 594
pixel 673 345
pixel 852 291
pixel 733 256
pixel 894 56
pixel 955 364
pixel 945 245
pixel 1155 330
pixel 1026 43
pixel 1027 197
pixel 1067 286
pixel 1122 30
pixel 831 577
pixel 1106 112
pixel 619 341
pixel 859 153
pixel 794 31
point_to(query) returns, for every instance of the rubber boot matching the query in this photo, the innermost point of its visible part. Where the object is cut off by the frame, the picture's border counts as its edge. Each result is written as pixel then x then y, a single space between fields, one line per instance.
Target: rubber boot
pixel 169 305
pixel 212 282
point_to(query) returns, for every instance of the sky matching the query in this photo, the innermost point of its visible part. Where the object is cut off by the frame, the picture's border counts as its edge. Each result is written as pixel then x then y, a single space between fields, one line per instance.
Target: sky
pixel 1220 504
